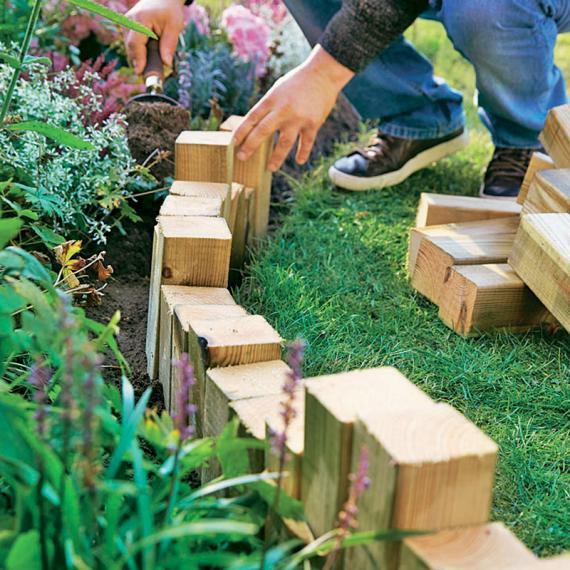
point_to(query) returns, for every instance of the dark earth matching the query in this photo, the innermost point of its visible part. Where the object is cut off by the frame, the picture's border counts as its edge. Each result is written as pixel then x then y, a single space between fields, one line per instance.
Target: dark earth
pixel 153 128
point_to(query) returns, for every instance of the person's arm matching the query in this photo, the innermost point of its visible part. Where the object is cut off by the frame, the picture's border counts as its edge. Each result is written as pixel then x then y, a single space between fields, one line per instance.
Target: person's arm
pixel 166 19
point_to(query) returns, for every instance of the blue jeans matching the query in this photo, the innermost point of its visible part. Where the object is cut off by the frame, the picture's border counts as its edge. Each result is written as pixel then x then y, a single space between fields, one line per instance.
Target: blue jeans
pixel 510 43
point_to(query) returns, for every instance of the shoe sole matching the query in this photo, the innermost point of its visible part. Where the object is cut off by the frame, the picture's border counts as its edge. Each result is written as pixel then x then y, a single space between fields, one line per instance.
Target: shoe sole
pixel 489 197
pixel 422 160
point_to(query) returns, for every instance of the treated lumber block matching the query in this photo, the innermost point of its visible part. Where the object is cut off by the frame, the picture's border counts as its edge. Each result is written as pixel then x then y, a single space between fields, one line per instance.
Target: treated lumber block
pixel 538 162
pixel 184 342
pixel 226 342
pixel 331 405
pixel 549 193
pixel 151 347
pixel 184 206
pixel 233 383
pixel 435 249
pixel 541 257
pixel 251 414
pixel 253 173
pixel 485 547
pixel 429 468
pixel 197 251
pixel 239 224
pixel 556 135
pixel 437 209
pixel 232 123
pixel 556 563
pixel 478 298
pixel 172 296
pixel 205 156
pixel 294 447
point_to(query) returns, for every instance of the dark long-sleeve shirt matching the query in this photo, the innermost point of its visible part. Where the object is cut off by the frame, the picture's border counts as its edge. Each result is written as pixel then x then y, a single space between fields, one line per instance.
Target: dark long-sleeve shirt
pixel 361 29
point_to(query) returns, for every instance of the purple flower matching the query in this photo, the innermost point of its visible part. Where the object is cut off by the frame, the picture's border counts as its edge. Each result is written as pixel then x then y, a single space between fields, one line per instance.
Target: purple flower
pixel 184 415
pixel 184 82
pixel 40 376
pixel 295 355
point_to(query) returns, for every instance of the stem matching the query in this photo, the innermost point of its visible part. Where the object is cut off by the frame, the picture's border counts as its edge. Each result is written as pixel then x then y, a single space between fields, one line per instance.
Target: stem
pixel 23 52
pixel 172 495
pixel 43 524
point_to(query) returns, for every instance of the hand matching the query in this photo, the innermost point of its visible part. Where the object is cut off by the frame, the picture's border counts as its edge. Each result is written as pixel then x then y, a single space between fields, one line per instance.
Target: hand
pixel 166 19
pixel 296 106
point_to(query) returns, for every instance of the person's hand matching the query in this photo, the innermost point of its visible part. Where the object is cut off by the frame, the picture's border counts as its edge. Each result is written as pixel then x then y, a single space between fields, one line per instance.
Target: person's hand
pixel 296 106
pixel 166 19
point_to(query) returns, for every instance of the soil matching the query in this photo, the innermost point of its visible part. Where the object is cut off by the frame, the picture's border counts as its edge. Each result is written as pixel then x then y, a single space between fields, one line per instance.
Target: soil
pixel 157 126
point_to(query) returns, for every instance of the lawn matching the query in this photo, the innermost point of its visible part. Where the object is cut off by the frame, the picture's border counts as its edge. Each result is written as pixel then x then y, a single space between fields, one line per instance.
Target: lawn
pixel 335 274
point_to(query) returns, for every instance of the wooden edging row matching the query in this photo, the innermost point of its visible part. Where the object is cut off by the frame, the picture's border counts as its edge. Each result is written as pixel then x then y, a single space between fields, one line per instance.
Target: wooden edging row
pixel 430 468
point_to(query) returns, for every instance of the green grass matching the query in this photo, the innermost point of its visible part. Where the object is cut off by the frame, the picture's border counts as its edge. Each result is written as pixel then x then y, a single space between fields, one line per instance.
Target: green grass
pixel 334 274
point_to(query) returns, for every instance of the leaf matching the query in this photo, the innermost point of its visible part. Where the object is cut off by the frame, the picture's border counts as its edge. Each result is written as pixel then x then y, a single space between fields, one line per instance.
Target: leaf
pixel 25 554
pixel 30 60
pixel 48 236
pixel 11 60
pixel 56 134
pixel 9 229
pixel 113 16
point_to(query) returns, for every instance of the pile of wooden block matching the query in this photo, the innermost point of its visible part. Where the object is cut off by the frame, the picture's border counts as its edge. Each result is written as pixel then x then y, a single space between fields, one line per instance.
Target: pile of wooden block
pixel 430 468
pixel 491 264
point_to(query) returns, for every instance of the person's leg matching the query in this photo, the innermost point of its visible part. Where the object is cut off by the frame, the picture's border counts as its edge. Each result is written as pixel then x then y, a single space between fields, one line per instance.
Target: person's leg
pixel 511 46
pixel 398 87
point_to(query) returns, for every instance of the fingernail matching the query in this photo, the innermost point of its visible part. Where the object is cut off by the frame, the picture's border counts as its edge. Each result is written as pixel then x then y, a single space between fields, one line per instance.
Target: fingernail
pixel 242 155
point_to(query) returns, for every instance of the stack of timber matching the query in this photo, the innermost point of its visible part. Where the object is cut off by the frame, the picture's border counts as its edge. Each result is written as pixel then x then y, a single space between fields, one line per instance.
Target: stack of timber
pixel 556 136
pixel 541 258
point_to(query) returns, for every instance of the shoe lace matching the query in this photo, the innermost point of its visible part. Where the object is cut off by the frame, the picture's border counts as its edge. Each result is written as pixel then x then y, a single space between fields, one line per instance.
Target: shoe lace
pixel 509 163
pixel 378 146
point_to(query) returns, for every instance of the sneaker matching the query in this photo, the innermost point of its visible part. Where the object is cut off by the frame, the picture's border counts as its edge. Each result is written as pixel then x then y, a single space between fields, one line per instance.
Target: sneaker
pixel 389 160
pixel 505 173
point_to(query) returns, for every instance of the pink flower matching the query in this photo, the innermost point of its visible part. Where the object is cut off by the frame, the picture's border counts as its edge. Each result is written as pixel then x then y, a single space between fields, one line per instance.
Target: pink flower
pixel 249 35
pixel 274 11
pixel 199 15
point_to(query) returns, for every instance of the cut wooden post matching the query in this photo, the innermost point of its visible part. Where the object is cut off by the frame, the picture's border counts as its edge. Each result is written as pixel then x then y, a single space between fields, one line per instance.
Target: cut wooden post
pixel 294 447
pixel 331 405
pixel 541 257
pixel 435 249
pixel 225 342
pixel 233 383
pixel 538 162
pixel 561 562
pixel 196 251
pixel 549 193
pixel 205 156
pixel 479 298
pixel 437 209
pixel 429 468
pixel 183 206
pixel 151 346
pixel 171 297
pixel 253 173
pixel 239 225
pixel 184 315
pixel 556 135
pixel 485 547
pixel 252 413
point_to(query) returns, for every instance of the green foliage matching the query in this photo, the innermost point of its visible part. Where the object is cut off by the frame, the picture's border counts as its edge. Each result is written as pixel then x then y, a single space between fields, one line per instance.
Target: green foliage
pixel 83 186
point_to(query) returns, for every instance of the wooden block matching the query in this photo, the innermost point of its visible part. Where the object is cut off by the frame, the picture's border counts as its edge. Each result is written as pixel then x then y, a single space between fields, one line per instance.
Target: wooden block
pixel 201 189
pixel 486 547
pixel 541 257
pixel 435 249
pixel 252 413
pixel 538 162
pixel 173 296
pixel 151 347
pixel 430 469
pixel 556 563
pixel 205 156
pixel 239 225
pixel 196 251
pixel 253 173
pixel 331 405
pixel 549 193
pixel 556 135
pixel 233 383
pixel 232 123
pixel 437 209
pixel 295 447
pixel 226 342
pixel 184 342
pixel 184 206
pixel 478 298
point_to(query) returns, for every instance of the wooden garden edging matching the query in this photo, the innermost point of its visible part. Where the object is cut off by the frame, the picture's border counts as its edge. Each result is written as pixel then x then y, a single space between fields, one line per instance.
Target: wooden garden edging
pixel 430 467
